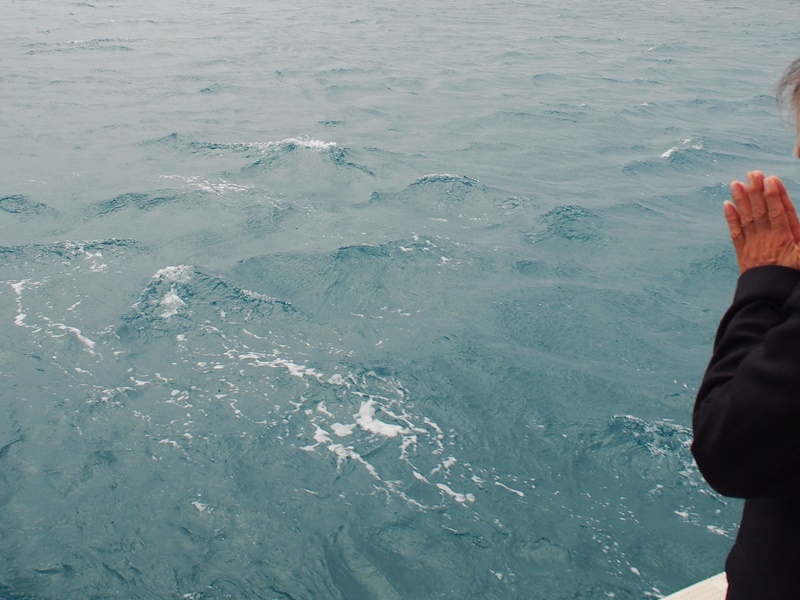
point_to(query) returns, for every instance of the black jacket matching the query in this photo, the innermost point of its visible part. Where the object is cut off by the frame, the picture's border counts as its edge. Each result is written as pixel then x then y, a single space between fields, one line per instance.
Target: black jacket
pixel 747 430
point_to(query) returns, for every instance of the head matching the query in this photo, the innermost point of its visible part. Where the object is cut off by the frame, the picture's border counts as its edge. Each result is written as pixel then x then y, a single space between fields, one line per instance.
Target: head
pixel 789 93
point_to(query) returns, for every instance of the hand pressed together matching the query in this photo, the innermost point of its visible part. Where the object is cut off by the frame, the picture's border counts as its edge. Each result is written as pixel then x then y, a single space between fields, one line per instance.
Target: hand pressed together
pixel 763 223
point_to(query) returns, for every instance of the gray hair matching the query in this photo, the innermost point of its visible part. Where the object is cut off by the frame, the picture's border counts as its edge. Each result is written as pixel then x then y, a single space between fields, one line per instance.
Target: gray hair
pixel 789 87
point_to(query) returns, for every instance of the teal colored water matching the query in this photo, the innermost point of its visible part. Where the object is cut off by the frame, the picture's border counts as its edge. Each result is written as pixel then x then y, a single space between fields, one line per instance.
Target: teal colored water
pixel 368 300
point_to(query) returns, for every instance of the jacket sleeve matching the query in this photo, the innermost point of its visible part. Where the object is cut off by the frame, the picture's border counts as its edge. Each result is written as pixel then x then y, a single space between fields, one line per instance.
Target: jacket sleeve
pixel 747 414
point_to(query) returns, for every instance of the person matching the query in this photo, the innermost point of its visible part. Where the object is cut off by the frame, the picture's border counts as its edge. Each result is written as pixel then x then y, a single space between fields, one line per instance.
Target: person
pixel 746 417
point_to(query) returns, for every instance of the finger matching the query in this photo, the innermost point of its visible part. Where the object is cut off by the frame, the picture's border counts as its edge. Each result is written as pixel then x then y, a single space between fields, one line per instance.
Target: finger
pixel 758 206
pixel 735 227
pixel 776 209
pixel 778 222
pixel 741 201
pixel 791 213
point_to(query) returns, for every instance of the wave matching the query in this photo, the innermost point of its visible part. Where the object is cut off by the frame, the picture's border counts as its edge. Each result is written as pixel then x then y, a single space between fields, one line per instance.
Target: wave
pixel 293 166
pixel 218 401
pixel 238 359
pixel 250 149
pixel 653 457
pixel 24 207
pixel 142 202
pixel 212 185
pixel 287 153
pixel 458 198
pixel 93 44
pixel 71 250
pixel 659 452
pixel 547 77
pixel 179 297
pixel 683 158
pixel 570 222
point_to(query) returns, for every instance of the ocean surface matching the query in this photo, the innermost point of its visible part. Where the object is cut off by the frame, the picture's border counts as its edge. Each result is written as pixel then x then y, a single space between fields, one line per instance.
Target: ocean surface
pixel 369 300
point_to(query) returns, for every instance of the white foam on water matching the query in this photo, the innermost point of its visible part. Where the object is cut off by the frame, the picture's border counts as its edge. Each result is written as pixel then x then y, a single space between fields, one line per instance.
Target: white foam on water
pixel 458 497
pixel 367 421
pixel 95 258
pixel 320 437
pixel 337 380
pixel 670 152
pixel 446 177
pixel 688 142
pixel 78 334
pixel 409 442
pixel 433 425
pixel 413 438
pixel 343 430
pixel 294 369
pixel 258 296
pixel 262 360
pixel 219 186
pixel 513 491
pixel 302 143
pixel 344 453
pixel 299 142
pixel 172 304
pixel 444 465
pixel 324 410
pixel 18 287
pixel 178 273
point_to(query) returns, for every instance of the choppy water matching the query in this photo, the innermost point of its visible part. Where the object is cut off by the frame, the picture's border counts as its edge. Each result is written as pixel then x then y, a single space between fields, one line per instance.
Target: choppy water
pixel 368 300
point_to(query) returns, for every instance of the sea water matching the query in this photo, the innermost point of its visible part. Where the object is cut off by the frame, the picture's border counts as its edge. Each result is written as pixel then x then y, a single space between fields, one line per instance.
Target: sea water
pixel 369 300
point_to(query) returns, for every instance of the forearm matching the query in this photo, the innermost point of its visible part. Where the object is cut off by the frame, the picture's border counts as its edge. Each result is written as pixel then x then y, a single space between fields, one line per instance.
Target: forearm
pixel 747 413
